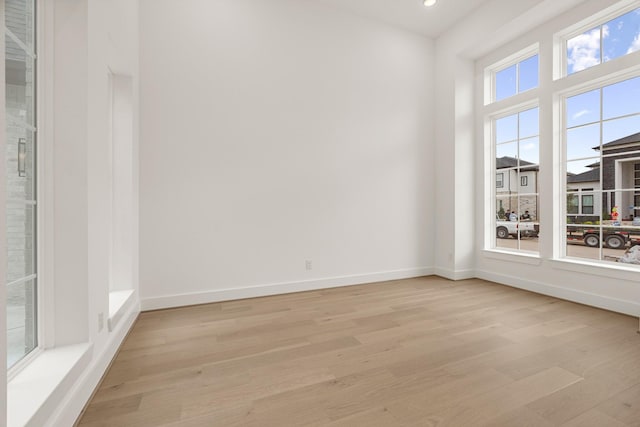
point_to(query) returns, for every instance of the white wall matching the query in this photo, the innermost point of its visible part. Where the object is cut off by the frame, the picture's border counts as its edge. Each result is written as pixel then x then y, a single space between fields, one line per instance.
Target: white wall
pixel 278 132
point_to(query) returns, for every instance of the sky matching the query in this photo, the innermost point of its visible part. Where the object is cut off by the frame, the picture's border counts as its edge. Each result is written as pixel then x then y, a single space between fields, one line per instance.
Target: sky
pixel 618 105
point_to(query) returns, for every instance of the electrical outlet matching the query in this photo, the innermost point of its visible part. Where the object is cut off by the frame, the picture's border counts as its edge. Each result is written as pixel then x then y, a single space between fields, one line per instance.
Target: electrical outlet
pixel 100 322
pixel 308 264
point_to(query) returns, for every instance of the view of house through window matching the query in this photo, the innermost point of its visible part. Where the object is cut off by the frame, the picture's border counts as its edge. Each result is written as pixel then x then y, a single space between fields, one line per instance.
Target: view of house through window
pixel 517 148
pixel 602 145
pixel 20 178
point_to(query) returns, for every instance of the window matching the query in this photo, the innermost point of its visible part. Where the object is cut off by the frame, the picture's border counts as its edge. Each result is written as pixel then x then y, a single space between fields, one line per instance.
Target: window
pixel 21 204
pixel 590 144
pixel 605 42
pixel 587 204
pixel 516 78
pixel 500 180
pixel 517 144
pixel 602 147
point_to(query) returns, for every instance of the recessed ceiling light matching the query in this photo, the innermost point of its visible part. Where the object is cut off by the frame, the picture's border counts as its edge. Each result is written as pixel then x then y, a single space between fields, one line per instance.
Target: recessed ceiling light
pixel 429 2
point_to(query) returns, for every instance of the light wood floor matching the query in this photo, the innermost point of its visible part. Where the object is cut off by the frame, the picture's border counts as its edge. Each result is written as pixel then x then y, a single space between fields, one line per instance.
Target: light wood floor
pixel 419 352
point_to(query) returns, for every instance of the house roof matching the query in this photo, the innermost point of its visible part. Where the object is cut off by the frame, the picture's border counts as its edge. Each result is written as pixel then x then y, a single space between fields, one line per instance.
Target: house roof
pixel 631 139
pixel 507 162
pixel 588 176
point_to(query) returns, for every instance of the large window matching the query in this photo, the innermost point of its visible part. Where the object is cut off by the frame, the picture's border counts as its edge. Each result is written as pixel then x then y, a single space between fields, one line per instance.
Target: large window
pixel 602 150
pixel 21 203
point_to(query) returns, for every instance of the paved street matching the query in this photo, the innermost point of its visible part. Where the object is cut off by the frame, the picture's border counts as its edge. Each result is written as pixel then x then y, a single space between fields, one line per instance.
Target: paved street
pixel 574 249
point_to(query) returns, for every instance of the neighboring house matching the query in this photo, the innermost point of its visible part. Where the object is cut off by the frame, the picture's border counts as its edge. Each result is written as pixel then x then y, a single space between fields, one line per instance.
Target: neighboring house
pixel 620 182
pixel 513 183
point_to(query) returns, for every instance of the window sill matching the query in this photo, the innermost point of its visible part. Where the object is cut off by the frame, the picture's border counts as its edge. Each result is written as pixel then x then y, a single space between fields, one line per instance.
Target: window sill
pixel 119 301
pixel 42 384
pixel 622 272
pixel 520 257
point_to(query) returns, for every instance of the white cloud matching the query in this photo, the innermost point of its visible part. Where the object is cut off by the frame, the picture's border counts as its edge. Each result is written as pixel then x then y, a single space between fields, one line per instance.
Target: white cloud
pixel 635 46
pixel 580 114
pixel 584 50
pixel 528 147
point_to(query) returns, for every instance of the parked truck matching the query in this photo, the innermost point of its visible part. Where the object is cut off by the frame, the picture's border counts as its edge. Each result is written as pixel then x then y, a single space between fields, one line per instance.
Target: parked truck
pixel 504 228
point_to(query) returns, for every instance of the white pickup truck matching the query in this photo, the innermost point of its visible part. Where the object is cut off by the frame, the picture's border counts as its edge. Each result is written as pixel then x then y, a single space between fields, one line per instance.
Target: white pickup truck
pixel 504 229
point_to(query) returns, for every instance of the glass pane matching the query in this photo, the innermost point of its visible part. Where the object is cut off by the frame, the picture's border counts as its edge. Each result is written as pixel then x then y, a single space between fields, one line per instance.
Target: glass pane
pixel 583 108
pixel 19 19
pixel 622 35
pixel 528 78
pixel 506 83
pixel 20 241
pixel 528 206
pixel 615 130
pixel 507 129
pixel 573 206
pixel 21 320
pixel 621 98
pixel 19 80
pixel 582 166
pixel 507 155
pixel 529 123
pixel 583 51
pixel 20 164
pixel 622 206
pixel 529 150
pixel 584 241
pixel 583 141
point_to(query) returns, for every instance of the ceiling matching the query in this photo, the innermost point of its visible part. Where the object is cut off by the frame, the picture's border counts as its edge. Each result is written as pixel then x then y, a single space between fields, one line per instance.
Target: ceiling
pixel 412 14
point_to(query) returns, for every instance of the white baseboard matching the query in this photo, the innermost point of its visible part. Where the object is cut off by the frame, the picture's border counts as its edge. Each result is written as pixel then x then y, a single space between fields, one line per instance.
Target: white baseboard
pixel 454 274
pixel 70 409
pixel 180 300
pixel 612 304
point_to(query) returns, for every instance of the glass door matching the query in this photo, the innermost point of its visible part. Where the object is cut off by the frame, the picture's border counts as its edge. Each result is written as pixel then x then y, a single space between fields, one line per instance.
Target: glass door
pixel 21 203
